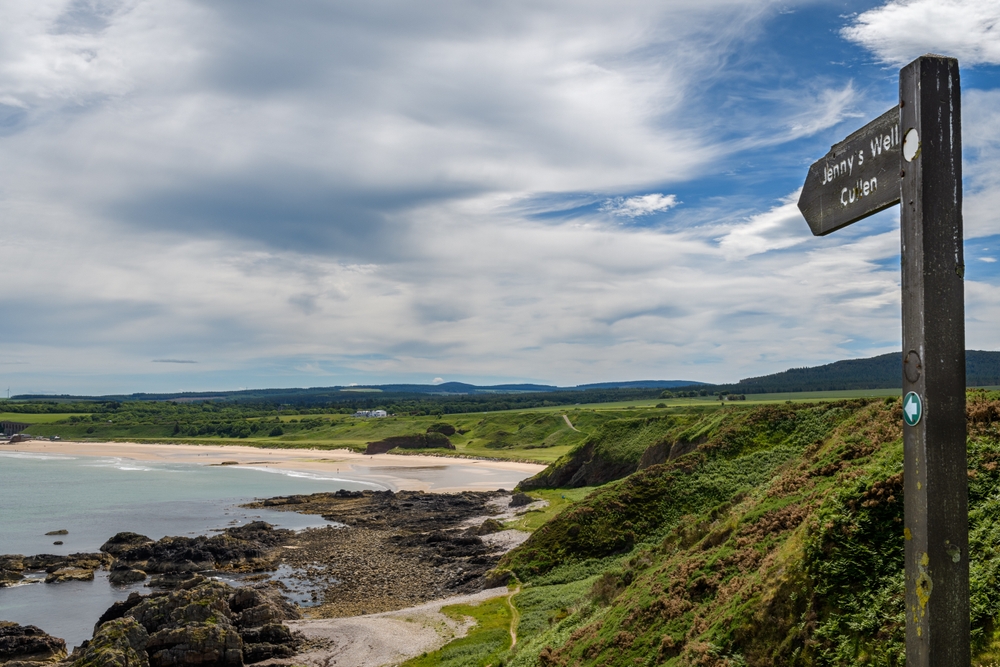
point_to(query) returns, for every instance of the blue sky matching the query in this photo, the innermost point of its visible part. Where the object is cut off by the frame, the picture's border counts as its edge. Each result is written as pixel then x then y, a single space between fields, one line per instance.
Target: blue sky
pixel 216 195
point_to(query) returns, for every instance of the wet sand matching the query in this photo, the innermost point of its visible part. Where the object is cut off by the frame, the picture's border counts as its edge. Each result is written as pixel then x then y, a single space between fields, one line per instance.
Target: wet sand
pixel 410 473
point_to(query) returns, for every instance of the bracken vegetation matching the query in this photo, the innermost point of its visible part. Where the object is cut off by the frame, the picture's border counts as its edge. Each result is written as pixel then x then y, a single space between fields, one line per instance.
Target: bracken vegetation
pixel 777 541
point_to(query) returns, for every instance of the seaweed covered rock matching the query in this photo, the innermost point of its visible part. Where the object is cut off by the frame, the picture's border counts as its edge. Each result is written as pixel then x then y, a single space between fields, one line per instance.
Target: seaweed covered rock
pixel 11 567
pixel 487 527
pixel 123 574
pixel 253 607
pixel 118 643
pixel 203 622
pixel 59 568
pixel 208 644
pixel 203 600
pixel 125 542
pixel 28 644
pixel 121 608
pixel 267 642
pixel 69 574
pixel 241 549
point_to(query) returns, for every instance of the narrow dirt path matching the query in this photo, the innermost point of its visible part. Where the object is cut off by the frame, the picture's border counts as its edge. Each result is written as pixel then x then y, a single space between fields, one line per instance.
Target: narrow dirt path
pixel 570 424
pixel 515 616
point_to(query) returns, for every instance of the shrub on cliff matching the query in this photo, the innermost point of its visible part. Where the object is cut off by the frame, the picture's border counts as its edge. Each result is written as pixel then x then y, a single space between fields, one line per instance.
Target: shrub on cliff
pixel 415 441
pixel 442 428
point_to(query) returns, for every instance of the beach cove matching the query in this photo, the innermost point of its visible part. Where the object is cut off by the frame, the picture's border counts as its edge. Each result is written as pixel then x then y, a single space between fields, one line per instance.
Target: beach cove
pixel 390 471
pixel 95 490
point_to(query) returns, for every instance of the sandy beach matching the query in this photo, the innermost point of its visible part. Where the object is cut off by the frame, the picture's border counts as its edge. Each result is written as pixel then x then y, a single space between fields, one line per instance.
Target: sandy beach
pixel 388 638
pixel 409 473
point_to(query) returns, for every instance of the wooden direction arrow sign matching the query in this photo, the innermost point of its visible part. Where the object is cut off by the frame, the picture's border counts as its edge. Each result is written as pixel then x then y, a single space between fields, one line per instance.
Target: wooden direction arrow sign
pixel 913 154
pixel 858 177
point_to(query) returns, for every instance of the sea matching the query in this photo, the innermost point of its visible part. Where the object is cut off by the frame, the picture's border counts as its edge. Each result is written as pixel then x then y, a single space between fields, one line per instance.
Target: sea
pixel 94 498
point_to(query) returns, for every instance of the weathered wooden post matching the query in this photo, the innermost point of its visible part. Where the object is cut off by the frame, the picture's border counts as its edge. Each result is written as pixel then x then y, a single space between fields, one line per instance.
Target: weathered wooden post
pixel 913 154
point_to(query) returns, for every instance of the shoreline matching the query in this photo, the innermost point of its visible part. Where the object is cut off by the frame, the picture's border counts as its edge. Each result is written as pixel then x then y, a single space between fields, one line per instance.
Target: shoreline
pixel 397 472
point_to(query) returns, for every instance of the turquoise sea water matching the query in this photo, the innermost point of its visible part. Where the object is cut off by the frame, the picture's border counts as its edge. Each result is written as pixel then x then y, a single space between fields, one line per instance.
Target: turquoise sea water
pixel 94 498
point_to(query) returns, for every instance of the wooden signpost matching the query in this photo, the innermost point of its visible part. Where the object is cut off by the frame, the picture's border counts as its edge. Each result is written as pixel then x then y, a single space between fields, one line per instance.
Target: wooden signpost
pixel 912 155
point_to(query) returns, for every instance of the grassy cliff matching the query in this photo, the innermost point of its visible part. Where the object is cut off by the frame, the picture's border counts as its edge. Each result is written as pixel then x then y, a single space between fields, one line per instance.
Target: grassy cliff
pixel 776 540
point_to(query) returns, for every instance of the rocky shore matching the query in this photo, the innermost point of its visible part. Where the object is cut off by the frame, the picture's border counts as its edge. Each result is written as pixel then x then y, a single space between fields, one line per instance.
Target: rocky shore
pixel 386 551
pixel 131 557
pixel 202 622
pixel 392 550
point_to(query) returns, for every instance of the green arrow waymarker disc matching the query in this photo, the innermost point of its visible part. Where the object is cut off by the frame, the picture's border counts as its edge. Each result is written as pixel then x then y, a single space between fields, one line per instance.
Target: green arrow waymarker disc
pixel 913 409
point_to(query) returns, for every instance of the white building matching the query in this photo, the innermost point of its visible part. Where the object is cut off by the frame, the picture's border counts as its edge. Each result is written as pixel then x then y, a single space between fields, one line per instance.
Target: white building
pixel 371 413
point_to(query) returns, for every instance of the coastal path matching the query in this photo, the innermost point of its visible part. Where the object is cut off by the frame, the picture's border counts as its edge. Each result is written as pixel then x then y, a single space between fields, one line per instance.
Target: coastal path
pixel 570 424
pixel 515 615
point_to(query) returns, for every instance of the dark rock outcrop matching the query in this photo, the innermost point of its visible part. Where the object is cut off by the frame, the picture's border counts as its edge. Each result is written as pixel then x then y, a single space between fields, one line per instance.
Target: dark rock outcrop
pixel 118 643
pixel 74 567
pixel 122 573
pixel 431 440
pixel 11 568
pixel 215 644
pixel 52 562
pixel 268 642
pixel 581 467
pixel 520 500
pixel 239 549
pixel 487 527
pixel 69 574
pixel 28 644
pixel 125 542
pixel 121 608
pixel 665 451
pixel 205 623
pixel 253 607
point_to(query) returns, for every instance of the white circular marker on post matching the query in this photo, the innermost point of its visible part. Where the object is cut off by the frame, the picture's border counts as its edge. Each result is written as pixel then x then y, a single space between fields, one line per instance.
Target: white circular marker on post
pixel 913 409
pixel 911 145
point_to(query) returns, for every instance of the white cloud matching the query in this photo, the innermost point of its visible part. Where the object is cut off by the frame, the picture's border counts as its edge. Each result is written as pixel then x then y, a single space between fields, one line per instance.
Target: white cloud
pixel 437 381
pixel 778 228
pixel 639 205
pixel 900 31
pixel 558 303
pixel 351 191
pixel 981 163
pixel 822 111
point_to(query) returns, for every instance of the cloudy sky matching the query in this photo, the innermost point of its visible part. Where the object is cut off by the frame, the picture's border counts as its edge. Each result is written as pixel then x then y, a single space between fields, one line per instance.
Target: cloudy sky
pixel 220 194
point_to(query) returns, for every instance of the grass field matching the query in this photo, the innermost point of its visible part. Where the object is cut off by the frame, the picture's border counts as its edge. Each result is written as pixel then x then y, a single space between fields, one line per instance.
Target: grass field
pixel 559 499
pixel 520 435
pixel 35 418
pixel 483 645
pixel 710 401
pixel 540 435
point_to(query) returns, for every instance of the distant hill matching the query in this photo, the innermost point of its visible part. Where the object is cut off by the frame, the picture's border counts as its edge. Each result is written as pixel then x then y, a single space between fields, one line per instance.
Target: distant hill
pixel 881 372
pixel 639 384
pixel 597 392
pixel 982 369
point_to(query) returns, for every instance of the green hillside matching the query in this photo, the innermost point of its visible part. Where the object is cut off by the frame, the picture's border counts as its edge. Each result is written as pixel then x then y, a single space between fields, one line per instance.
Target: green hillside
pixel 982 369
pixel 523 435
pixel 775 540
